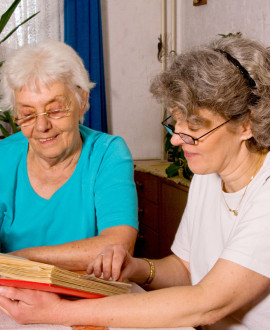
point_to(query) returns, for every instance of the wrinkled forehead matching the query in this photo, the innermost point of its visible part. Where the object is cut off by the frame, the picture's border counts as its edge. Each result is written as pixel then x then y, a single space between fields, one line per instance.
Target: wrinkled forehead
pixel 198 117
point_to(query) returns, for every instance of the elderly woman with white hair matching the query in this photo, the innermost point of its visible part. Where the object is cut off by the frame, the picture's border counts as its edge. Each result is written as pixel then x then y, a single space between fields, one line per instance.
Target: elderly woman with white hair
pixel 67 190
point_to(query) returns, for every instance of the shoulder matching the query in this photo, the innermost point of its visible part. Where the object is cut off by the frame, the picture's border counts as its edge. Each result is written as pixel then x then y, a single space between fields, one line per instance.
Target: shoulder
pixel 13 145
pixel 100 142
pixel 12 150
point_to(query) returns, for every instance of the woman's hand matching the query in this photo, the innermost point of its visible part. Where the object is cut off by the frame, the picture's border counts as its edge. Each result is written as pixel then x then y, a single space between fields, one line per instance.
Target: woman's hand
pixel 115 262
pixel 30 306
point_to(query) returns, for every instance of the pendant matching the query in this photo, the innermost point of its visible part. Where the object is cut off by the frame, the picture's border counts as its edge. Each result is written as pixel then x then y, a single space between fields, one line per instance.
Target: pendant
pixel 235 212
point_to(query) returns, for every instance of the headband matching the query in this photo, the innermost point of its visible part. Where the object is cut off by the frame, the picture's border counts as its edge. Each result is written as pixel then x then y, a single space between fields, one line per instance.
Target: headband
pixel 236 63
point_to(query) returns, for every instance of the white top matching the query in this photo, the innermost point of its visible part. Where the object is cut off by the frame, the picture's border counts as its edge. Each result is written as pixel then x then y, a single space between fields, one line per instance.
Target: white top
pixel 208 231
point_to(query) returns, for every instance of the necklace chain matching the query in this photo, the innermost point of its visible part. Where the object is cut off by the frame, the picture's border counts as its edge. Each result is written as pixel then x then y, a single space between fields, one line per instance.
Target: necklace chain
pixel 235 211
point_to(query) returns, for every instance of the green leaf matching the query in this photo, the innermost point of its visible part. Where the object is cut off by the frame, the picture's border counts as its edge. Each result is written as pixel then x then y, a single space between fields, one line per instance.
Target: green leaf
pixel 4 131
pixel 173 169
pixel 6 16
pixel 187 174
pixel 12 31
pixel 9 120
pixel 237 34
pixel 6 117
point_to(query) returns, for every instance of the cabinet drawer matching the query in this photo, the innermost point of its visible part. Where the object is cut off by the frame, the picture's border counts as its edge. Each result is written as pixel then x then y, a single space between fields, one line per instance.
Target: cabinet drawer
pixel 147 186
pixel 147 244
pixel 148 214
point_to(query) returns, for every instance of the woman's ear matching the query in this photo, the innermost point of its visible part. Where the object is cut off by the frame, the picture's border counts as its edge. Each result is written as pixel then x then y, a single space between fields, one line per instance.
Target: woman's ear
pixel 246 130
pixel 85 96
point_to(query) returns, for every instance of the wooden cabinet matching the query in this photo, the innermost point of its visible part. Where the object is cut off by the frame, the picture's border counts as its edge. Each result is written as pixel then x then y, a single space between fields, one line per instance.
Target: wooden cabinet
pixel 161 205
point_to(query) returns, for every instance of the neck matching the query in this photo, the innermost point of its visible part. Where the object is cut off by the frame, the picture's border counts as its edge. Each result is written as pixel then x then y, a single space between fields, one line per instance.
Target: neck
pixel 242 172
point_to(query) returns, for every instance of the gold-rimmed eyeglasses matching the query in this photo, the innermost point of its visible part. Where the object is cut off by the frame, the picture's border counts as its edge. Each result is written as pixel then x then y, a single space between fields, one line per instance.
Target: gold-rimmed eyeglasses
pixel 52 114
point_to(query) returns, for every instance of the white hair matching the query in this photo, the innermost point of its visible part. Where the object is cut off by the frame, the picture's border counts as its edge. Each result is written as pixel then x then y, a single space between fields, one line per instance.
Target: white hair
pixel 45 63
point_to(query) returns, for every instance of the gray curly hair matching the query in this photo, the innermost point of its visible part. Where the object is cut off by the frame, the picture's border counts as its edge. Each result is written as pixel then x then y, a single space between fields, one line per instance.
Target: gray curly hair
pixel 205 78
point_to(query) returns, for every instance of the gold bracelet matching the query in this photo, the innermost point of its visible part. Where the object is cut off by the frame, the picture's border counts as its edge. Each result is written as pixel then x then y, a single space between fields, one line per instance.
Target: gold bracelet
pixel 152 272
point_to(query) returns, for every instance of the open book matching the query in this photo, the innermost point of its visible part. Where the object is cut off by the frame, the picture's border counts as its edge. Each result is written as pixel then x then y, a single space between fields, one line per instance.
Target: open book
pixel 23 273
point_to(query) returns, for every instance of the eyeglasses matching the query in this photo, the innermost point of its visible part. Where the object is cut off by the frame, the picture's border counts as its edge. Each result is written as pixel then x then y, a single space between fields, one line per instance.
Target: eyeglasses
pixel 53 114
pixel 188 139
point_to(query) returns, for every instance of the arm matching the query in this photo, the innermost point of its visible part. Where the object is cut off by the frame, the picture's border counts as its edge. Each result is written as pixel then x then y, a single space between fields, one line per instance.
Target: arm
pixel 226 288
pixel 76 255
pixel 115 206
pixel 116 262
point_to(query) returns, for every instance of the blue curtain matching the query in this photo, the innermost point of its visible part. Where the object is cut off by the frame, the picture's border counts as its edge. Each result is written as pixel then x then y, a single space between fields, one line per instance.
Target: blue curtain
pixel 83 32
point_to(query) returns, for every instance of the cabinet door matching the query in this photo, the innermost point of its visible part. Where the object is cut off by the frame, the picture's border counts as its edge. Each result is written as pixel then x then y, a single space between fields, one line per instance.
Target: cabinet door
pixel 147 186
pixel 173 202
pixel 148 214
pixel 147 243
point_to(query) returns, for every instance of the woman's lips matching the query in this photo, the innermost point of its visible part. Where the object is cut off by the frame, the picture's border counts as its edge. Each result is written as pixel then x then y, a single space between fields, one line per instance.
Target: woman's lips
pixel 189 154
pixel 47 140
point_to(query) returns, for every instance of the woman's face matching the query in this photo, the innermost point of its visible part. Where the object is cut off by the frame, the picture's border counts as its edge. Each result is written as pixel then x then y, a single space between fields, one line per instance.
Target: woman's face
pixel 219 151
pixel 50 139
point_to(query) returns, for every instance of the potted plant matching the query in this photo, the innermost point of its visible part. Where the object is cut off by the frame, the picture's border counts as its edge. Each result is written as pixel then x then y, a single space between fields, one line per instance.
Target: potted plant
pixel 7 125
pixel 179 164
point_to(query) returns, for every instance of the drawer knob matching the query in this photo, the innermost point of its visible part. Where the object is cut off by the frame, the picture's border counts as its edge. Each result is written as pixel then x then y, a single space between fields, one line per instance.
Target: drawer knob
pixel 140 212
pixel 139 185
pixel 140 237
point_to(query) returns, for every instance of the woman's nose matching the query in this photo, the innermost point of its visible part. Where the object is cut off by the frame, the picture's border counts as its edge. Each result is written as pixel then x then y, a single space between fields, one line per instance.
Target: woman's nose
pixel 176 140
pixel 42 123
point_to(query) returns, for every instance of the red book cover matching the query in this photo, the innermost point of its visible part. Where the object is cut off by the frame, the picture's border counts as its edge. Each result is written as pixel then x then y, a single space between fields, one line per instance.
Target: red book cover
pixel 49 288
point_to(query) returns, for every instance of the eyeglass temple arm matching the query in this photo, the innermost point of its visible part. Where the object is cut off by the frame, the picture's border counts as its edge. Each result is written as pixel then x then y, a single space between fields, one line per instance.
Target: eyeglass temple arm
pixel 212 130
pixel 165 120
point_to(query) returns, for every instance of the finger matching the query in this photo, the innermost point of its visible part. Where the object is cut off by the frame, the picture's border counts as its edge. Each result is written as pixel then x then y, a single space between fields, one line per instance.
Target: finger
pixel 90 267
pixel 5 311
pixel 118 264
pixel 107 264
pixel 5 305
pixel 13 293
pixel 98 265
pixel 95 263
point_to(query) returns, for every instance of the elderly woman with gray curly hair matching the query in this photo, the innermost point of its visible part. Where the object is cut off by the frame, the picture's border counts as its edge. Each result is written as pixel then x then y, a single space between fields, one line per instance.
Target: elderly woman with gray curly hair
pixel 218 275
pixel 67 190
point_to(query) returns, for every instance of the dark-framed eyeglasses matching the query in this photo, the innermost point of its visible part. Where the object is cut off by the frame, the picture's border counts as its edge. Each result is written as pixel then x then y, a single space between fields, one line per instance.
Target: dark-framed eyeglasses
pixel 53 114
pixel 188 139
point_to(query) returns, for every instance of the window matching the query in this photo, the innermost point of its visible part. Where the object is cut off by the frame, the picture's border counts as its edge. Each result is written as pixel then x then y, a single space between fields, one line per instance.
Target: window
pixel 47 24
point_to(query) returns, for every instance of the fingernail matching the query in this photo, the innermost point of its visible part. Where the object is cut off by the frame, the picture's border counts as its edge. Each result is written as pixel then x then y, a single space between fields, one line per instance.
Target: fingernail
pixel 106 275
pixel 114 277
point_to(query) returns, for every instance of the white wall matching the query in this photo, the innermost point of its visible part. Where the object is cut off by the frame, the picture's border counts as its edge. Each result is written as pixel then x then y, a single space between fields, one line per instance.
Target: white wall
pixel 131 29
pixel 203 23
pixel 130 36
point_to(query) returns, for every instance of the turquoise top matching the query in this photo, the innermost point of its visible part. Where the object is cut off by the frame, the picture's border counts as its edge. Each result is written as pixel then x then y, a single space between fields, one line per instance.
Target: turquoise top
pixel 99 194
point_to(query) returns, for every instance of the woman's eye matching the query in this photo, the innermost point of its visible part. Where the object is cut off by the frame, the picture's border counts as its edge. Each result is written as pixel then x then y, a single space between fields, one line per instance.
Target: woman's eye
pixel 55 106
pixel 26 115
pixel 194 128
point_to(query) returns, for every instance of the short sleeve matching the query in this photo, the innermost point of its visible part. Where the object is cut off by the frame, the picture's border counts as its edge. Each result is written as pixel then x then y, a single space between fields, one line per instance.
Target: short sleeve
pixel 115 190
